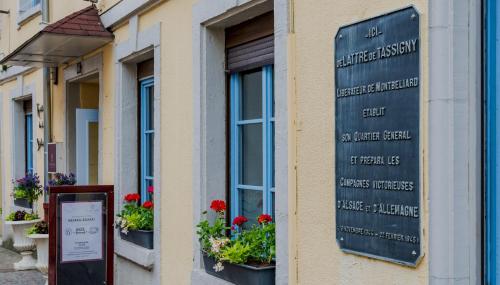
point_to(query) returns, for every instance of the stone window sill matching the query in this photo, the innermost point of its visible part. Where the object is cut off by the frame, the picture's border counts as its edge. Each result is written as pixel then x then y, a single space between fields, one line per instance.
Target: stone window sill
pixel 199 276
pixel 139 255
pixel 28 15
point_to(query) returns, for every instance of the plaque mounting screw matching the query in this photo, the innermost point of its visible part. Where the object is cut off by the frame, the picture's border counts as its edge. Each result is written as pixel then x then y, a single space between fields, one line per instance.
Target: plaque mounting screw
pixel 413 16
pixel 340 36
pixel 341 238
pixel 414 253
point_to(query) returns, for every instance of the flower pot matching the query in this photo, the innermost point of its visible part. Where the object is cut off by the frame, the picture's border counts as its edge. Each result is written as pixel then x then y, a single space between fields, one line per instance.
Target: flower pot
pixel 42 251
pixel 141 238
pixel 23 202
pixel 241 274
pixel 23 244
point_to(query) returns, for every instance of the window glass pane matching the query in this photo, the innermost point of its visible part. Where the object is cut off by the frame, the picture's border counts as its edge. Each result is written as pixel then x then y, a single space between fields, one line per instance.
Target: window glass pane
pixel 273 158
pixel 250 205
pixel 251 154
pixel 149 154
pixel 150 116
pixel 251 96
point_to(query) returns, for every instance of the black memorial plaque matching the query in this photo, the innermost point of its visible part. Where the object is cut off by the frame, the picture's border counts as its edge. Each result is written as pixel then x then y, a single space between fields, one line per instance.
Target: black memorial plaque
pixel 377 187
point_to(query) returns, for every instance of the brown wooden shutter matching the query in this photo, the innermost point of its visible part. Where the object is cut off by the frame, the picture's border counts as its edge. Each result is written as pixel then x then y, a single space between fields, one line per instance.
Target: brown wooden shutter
pixel 250 44
pixel 145 68
pixel 27 106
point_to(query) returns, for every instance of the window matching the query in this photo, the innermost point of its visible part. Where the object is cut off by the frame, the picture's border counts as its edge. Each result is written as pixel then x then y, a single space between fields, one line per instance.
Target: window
pixel 27 5
pixel 252 143
pixel 146 136
pixel 28 134
pixel 27 9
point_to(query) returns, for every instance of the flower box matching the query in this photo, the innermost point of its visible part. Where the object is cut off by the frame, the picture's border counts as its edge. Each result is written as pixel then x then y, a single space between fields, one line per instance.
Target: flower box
pixel 141 238
pixel 241 274
pixel 23 202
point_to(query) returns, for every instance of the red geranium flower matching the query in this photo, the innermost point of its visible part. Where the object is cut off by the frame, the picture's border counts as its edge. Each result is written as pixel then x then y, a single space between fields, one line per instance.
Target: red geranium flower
pixel 264 218
pixel 151 189
pixel 148 205
pixel 132 197
pixel 240 220
pixel 218 206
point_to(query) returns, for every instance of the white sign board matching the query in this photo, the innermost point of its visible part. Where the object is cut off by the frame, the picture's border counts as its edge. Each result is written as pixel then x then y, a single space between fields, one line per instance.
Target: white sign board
pixel 81 231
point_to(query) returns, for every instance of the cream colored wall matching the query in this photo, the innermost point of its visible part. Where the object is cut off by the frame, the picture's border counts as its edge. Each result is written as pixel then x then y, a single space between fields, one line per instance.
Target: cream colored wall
pixel 319 259
pixel 59 9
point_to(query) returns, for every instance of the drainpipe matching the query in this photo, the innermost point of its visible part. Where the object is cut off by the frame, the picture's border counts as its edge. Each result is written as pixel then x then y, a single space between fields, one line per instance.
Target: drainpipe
pixel 47 110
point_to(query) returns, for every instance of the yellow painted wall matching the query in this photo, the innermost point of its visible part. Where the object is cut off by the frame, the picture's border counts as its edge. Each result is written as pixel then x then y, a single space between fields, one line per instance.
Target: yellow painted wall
pixel 319 259
pixel 89 95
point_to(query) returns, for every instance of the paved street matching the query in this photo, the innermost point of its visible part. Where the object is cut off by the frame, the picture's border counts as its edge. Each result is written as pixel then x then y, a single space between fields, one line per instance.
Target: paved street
pixel 10 277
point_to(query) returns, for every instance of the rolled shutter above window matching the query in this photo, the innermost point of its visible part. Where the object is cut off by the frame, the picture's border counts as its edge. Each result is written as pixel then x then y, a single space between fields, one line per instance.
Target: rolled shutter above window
pixel 251 55
pixel 250 44
pixel 27 106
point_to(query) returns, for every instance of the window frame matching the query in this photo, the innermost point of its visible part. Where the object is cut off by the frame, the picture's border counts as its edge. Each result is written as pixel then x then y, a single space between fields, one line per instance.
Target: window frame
pixel 28 132
pixel 33 10
pixel 144 110
pixel 267 121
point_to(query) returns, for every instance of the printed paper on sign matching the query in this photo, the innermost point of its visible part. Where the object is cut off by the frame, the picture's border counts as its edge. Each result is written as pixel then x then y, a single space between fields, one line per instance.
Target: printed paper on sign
pixel 81 231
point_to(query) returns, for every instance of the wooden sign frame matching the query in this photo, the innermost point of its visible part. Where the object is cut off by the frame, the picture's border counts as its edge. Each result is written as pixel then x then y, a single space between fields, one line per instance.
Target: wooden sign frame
pixel 53 227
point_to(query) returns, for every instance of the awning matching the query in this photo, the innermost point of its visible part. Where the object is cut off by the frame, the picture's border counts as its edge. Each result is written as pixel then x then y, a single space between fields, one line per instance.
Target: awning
pixel 67 39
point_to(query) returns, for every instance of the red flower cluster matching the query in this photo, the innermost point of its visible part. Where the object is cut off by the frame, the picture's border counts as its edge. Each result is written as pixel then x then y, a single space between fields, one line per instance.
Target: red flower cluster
pixel 132 197
pixel 151 189
pixel 240 220
pixel 148 205
pixel 218 206
pixel 264 218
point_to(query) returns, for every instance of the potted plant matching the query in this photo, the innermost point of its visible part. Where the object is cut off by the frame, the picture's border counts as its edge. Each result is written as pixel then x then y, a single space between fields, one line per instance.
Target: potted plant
pixel 245 258
pixel 21 221
pixel 59 179
pixel 39 232
pixel 26 190
pixel 136 221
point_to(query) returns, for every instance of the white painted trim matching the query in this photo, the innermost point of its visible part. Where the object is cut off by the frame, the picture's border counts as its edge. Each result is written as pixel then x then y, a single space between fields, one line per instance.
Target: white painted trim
pixel 17 95
pixel 12 72
pixel 137 254
pixel 454 140
pixel 209 93
pixel 123 10
pixel 90 66
pixel 127 54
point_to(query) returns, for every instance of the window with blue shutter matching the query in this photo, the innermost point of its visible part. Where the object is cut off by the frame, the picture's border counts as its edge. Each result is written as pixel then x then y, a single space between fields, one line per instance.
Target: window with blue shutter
pixel 252 143
pixel 146 136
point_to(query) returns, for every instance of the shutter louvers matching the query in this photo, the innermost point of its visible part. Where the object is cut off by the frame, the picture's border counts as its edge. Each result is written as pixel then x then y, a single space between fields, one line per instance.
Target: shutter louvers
pixel 251 55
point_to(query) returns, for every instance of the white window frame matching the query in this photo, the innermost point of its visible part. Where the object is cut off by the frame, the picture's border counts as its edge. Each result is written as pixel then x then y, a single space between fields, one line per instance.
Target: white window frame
pixel 25 16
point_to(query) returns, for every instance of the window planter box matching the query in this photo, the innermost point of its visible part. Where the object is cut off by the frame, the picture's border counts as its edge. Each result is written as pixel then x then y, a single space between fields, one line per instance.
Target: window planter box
pixel 141 238
pixel 242 274
pixel 22 203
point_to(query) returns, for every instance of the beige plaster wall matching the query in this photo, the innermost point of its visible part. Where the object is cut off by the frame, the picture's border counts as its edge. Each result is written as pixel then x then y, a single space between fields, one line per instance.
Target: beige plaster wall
pixel 319 259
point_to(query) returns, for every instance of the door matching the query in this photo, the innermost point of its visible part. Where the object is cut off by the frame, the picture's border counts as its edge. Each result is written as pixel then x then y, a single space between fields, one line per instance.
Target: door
pixel 87 141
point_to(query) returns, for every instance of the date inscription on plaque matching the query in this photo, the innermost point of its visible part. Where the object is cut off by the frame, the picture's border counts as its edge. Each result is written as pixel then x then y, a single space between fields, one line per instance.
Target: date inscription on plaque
pixel 377 187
